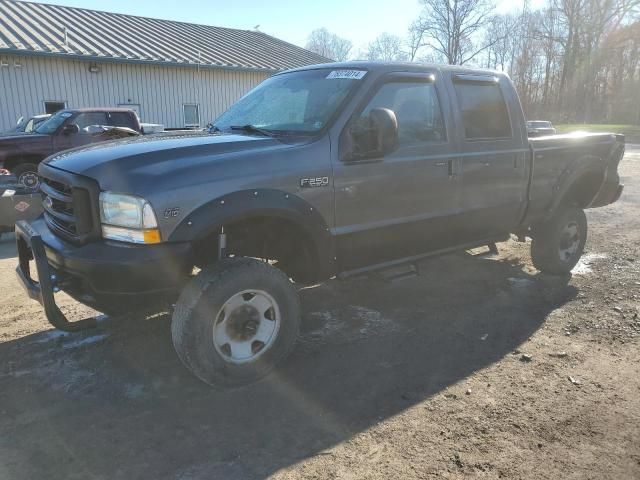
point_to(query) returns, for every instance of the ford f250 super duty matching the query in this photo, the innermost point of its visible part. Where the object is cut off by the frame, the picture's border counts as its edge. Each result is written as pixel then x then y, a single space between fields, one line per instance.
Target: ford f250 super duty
pixel 329 170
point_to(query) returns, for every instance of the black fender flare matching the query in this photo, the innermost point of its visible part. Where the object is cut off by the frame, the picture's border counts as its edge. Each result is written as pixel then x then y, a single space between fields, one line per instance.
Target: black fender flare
pixel 208 219
pixel 581 166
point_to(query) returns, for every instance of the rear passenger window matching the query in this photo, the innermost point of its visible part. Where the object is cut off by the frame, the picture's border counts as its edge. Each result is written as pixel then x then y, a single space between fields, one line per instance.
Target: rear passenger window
pixel 417 110
pixel 122 119
pixel 484 111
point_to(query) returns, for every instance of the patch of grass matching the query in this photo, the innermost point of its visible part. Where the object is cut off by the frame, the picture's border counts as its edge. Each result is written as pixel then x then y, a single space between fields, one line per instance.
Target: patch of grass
pixel 630 131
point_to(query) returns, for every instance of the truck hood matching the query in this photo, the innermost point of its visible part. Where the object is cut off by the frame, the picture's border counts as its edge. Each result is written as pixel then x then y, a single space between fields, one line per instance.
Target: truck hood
pixel 132 165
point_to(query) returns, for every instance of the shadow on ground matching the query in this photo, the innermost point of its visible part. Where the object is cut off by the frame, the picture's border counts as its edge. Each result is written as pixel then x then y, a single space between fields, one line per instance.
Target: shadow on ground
pixel 8 246
pixel 116 403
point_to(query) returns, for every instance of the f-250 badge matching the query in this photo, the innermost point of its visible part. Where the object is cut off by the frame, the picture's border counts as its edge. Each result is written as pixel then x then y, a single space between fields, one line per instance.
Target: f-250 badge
pixel 314 182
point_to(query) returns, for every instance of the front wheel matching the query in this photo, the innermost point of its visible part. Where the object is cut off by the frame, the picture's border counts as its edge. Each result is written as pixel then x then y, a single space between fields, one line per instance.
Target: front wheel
pixel 27 175
pixel 558 244
pixel 235 321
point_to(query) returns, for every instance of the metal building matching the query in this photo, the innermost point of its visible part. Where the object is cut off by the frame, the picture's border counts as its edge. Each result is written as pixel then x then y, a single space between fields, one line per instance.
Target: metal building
pixel 173 73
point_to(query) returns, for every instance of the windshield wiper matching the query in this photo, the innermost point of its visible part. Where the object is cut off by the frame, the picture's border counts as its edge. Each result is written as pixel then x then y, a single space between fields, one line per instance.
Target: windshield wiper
pixel 253 129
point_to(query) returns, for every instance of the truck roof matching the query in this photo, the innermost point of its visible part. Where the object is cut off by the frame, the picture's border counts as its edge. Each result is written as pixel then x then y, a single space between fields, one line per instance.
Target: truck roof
pixel 382 67
pixel 99 109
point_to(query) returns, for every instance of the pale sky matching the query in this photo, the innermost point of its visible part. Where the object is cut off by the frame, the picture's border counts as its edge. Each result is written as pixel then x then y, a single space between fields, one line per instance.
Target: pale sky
pixel 358 20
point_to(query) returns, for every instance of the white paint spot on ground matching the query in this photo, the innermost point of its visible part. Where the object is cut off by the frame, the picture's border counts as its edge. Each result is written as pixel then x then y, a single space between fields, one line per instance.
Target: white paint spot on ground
pixel 85 341
pixel 584 265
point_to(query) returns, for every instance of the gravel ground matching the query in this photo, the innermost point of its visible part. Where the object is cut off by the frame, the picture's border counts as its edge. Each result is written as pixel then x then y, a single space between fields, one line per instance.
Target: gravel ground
pixel 481 367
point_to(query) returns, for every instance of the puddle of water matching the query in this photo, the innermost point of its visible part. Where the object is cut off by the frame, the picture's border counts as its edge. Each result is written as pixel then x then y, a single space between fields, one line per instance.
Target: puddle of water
pixel 520 282
pixel 85 341
pixel 584 265
pixel 50 335
pixel 348 324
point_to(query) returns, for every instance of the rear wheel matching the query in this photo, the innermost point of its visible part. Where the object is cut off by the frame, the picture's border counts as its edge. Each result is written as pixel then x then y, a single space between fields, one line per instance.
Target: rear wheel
pixel 235 321
pixel 558 244
pixel 27 175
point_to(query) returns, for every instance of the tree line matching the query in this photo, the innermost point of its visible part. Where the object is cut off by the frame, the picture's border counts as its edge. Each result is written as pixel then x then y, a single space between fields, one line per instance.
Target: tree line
pixel 575 61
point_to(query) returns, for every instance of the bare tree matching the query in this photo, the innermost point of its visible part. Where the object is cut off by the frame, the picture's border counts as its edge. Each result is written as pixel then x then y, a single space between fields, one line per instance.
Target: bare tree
pixel 387 48
pixel 451 28
pixel 329 45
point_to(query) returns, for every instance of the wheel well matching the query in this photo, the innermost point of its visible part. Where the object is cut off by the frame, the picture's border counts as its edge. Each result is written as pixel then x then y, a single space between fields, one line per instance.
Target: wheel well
pixel 277 240
pixel 584 189
pixel 15 160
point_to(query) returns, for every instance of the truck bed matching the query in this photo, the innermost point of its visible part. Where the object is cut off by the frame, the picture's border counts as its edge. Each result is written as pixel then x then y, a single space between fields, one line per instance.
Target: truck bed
pixel 557 161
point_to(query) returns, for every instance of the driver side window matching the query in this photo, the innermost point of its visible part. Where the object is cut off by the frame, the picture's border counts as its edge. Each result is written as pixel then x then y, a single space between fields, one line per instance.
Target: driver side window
pixel 417 110
pixel 85 120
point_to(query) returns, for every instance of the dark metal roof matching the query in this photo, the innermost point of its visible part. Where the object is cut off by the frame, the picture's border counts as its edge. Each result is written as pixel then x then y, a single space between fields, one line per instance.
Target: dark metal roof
pixel 36 28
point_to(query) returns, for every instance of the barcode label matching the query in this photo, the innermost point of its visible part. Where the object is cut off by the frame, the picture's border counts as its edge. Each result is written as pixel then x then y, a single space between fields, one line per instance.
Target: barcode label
pixel 349 74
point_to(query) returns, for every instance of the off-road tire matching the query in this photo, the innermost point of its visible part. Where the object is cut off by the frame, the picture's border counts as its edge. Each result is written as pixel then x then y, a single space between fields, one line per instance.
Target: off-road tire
pixel 197 309
pixel 25 168
pixel 547 244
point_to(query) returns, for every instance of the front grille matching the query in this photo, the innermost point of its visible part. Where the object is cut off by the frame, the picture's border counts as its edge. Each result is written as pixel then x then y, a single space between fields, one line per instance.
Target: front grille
pixel 66 209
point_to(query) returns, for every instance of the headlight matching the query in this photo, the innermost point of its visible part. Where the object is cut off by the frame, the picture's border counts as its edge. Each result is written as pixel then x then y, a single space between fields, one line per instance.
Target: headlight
pixel 128 219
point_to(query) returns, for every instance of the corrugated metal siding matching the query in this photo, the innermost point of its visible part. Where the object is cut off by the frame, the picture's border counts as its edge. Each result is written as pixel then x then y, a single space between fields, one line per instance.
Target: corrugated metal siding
pixel 57 30
pixel 160 90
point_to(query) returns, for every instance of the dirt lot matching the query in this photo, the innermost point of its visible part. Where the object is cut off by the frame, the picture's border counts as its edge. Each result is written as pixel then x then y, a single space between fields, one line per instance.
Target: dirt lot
pixel 429 377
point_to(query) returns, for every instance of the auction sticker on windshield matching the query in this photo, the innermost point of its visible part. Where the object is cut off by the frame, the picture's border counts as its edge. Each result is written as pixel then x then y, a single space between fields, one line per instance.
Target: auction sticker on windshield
pixel 350 74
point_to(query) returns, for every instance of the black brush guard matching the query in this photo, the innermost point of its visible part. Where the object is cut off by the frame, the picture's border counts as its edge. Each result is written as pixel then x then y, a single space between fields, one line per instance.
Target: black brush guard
pixel 31 247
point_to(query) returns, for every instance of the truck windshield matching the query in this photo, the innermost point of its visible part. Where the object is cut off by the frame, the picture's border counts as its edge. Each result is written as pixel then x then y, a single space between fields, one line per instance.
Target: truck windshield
pixel 51 125
pixel 297 102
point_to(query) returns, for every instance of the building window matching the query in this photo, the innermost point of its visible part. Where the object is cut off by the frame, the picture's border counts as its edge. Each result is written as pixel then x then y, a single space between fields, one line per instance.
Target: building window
pixel 54 106
pixel 191 115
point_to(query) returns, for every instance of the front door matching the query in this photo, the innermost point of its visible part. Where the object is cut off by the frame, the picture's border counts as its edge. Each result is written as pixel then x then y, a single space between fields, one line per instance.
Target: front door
pixel 399 205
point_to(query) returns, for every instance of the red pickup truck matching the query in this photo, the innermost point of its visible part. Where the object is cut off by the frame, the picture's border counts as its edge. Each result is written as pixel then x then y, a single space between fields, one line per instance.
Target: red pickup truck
pixel 20 153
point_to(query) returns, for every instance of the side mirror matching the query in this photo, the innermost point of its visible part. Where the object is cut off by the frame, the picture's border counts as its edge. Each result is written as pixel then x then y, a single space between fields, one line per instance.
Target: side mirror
pixel 70 129
pixel 20 120
pixel 375 135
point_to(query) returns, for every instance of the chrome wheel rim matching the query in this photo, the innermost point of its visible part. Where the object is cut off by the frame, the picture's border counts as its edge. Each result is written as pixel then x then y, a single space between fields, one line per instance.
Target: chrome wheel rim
pixel 569 241
pixel 29 180
pixel 246 326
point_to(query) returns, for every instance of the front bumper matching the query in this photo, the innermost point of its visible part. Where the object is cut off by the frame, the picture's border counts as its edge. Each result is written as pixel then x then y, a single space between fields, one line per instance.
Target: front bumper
pixel 107 276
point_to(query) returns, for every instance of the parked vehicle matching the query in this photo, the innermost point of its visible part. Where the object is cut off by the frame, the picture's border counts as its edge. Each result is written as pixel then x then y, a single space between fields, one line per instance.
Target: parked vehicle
pixel 336 169
pixel 17 203
pixel 538 128
pixel 21 153
pixel 27 125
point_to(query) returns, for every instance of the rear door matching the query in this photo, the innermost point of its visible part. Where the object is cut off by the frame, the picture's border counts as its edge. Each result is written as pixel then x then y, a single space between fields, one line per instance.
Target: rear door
pixel 493 152
pixel 399 205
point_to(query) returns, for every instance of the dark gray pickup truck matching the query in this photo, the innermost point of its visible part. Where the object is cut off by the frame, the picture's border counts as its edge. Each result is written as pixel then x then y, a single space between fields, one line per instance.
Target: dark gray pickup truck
pixel 330 170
